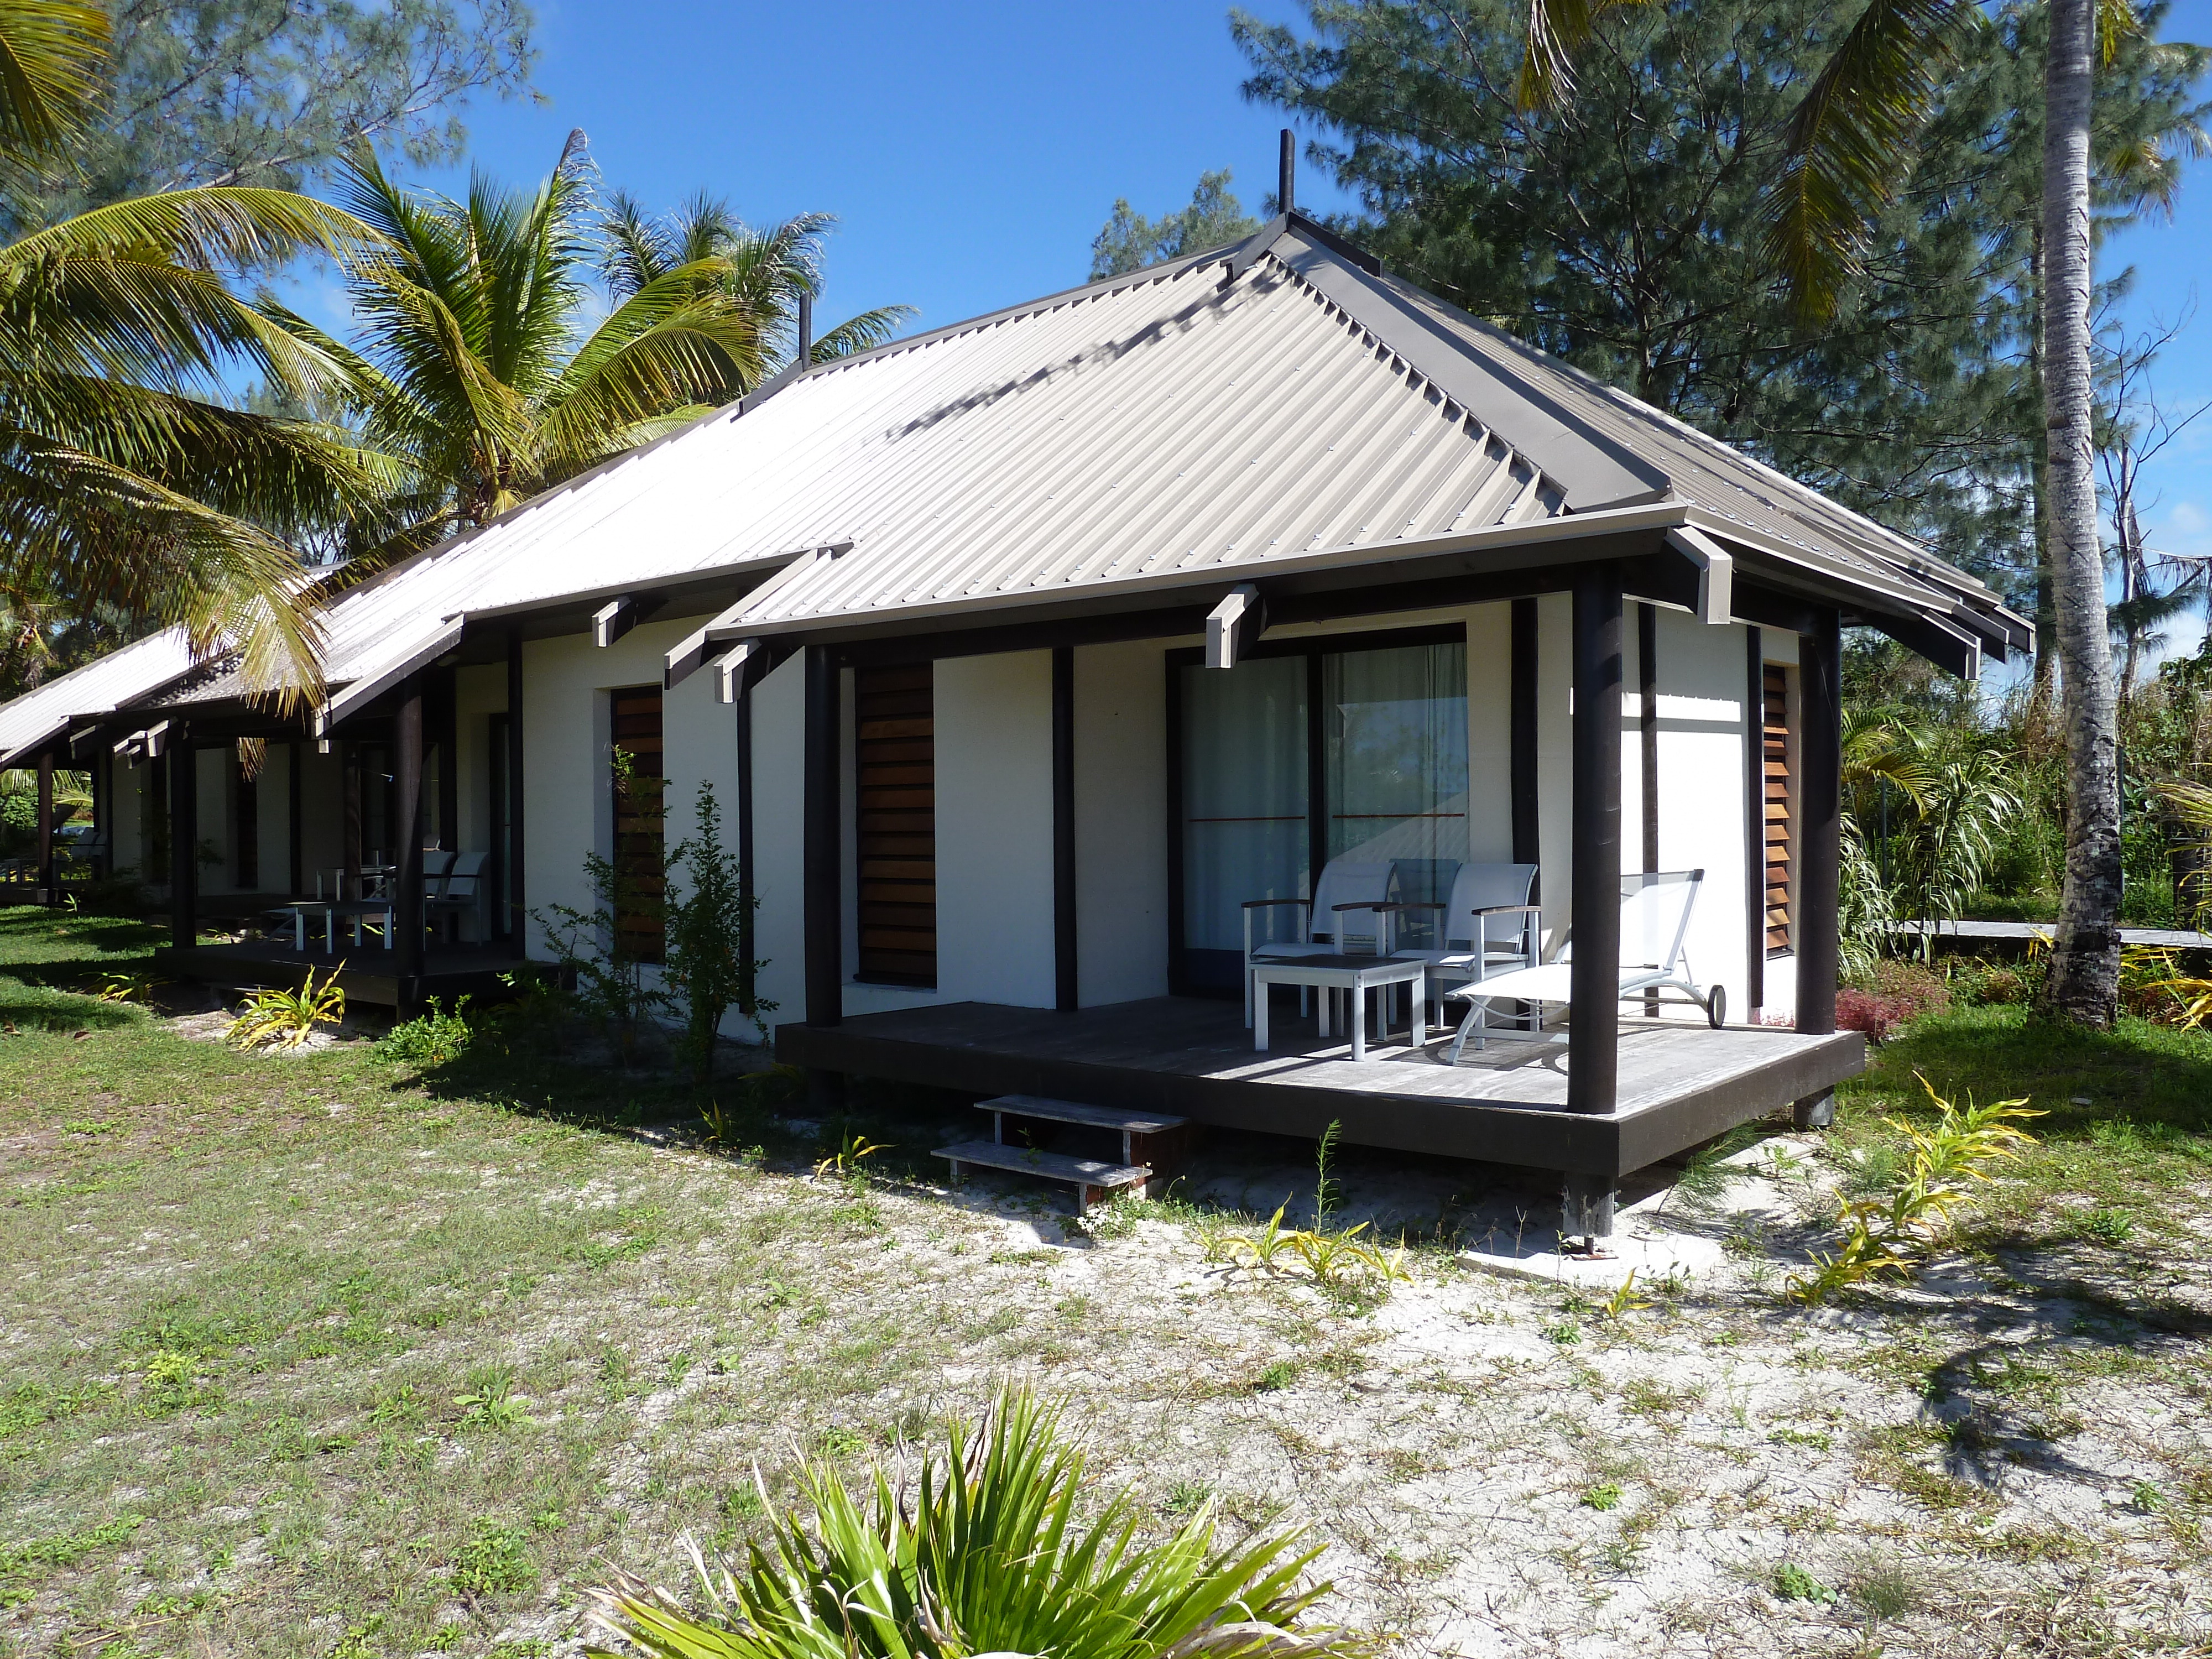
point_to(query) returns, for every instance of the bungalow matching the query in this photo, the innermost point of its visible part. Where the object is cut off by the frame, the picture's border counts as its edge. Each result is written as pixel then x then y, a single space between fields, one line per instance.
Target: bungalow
pixel 1065 666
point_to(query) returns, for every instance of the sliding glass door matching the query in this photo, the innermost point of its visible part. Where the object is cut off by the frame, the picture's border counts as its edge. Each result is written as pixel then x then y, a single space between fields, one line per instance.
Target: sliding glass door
pixel 1304 752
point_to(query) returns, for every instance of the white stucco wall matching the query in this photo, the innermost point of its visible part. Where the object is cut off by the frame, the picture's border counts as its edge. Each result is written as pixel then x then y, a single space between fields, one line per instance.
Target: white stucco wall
pixel 994 726
pixel 565 795
pixel 779 708
pixel 1702 778
pixel 1555 762
pixel 479 692
pixel 1120 822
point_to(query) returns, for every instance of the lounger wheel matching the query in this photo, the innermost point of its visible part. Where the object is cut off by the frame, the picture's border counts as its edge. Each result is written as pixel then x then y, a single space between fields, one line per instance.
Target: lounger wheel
pixel 1716 1007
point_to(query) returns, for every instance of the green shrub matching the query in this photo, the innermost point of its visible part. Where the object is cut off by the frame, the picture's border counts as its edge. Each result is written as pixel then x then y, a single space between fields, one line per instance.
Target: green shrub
pixel 995 1547
pixel 430 1039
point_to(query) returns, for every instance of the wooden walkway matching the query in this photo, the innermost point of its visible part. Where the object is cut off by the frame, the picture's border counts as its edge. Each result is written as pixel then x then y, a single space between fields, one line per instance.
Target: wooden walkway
pixel 2020 932
pixel 1681 1084
pixel 369 974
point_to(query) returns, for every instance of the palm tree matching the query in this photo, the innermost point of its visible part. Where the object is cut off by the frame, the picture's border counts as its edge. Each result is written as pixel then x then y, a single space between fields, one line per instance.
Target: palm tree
pixel 1849 148
pixel 129 485
pixel 475 371
pixel 768 272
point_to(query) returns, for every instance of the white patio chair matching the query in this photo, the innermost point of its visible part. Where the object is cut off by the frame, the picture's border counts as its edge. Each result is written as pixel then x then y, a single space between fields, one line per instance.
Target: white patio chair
pixel 1349 914
pixel 1655 919
pixel 1489 924
pixel 463 892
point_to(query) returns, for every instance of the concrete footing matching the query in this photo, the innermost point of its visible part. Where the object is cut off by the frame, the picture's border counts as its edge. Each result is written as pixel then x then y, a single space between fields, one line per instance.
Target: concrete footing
pixel 1814 1111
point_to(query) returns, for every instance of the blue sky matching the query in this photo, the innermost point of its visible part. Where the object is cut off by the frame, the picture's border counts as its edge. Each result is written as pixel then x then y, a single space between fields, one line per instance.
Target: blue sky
pixel 973 149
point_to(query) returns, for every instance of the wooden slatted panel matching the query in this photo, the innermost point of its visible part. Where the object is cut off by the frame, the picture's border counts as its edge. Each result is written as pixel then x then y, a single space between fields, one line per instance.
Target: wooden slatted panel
pixel 896 744
pixel 1780 837
pixel 641 824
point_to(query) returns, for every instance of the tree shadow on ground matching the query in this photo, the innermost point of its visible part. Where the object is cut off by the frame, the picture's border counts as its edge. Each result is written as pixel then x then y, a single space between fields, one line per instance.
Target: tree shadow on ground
pixel 54 1013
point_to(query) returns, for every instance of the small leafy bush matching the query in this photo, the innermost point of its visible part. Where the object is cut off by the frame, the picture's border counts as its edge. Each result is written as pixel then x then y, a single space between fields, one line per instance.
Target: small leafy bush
pixel 1886 995
pixel 430 1039
pixel 1601 1497
pixel 278 1019
pixel 992 1545
pixel 1999 984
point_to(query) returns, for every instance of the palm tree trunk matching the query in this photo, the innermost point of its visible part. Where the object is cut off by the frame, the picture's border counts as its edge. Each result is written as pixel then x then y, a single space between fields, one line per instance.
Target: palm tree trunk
pixel 2047 610
pixel 2085 956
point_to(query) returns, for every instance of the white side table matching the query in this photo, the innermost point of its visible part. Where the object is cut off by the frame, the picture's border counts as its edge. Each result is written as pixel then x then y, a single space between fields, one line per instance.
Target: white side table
pixel 1357 974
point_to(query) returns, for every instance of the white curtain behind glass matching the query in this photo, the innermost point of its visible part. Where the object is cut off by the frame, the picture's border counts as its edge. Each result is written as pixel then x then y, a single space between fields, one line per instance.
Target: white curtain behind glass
pixel 1394 749
pixel 1244 795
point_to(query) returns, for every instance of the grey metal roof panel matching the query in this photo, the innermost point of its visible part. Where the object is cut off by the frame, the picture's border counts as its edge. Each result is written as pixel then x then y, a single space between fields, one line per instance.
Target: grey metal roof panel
pixel 1716 476
pixel 122 677
pixel 1175 423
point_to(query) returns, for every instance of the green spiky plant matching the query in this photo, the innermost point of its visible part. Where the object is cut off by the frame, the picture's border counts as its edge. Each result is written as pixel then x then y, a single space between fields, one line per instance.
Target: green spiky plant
pixel 1890 1232
pixel 983 1550
pixel 278 1017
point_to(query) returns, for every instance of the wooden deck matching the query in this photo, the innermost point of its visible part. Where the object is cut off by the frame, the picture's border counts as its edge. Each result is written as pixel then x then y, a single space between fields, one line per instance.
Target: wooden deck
pixel 368 973
pixel 1681 1084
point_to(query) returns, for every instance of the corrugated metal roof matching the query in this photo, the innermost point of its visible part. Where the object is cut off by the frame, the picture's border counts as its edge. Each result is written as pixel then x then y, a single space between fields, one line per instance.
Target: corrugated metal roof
pixel 119 678
pixel 1700 468
pixel 1164 425
pixel 1207 415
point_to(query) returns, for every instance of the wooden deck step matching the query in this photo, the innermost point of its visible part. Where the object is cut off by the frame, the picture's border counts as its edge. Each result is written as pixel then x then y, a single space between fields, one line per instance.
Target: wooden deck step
pixel 1091 1179
pixel 1069 1111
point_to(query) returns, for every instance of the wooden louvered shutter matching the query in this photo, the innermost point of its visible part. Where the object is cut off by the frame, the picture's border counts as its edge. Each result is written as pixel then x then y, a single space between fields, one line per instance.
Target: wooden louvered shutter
pixel 895 746
pixel 641 824
pixel 1780 794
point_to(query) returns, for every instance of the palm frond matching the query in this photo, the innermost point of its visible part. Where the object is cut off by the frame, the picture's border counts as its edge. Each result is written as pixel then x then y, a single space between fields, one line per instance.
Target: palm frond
pixel 2116 21
pixel 1851 139
pixel 992 1548
pixel 52 56
pixel 128 540
pixel 209 228
pixel 1558 31
pixel 864 332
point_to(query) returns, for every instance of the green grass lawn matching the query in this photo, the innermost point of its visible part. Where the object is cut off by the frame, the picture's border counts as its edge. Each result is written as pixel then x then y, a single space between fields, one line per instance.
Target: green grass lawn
pixel 325 1356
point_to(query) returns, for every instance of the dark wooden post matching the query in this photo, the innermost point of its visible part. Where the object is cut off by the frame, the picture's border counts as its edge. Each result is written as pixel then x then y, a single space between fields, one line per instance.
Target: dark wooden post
pixel 446 733
pixel 47 826
pixel 1317 775
pixel 1755 820
pixel 349 831
pixel 295 831
pixel 746 888
pixel 824 863
pixel 518 906
pixel 183 839
pixel 103 810
pixel 1064 969
pixel 1593 1032
pixel 407 783
pixel 1820 694
pixel 1647 686
pixel 1527 838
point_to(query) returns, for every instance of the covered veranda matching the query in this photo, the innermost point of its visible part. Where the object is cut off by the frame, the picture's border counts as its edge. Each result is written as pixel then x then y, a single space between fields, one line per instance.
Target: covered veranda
pixel 1619 1091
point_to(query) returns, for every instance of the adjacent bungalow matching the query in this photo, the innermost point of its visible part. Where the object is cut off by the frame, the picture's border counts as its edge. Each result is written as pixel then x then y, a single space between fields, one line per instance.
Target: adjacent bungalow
pixel 1038 658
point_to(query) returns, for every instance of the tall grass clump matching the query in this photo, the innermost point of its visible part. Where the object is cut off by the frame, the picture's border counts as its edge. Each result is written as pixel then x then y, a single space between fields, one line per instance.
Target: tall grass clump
pixel 1891 1232
pixel 984 1548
